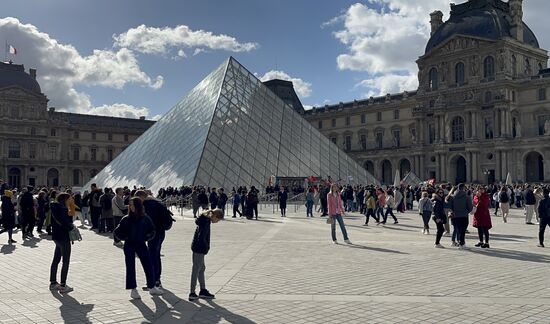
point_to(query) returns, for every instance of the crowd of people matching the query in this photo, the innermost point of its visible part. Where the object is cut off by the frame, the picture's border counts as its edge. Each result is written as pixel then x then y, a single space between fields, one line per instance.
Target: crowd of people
pixel 140 219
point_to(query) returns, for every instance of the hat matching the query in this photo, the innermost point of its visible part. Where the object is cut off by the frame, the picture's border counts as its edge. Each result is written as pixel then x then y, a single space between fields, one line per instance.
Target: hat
pixel 8 193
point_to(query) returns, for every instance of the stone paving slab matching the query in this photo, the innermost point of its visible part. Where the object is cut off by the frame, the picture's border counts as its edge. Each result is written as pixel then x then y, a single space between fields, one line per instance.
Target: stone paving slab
pixel 286 270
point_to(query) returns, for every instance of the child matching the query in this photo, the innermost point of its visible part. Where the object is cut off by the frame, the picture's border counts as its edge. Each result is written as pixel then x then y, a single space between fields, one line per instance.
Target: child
pixel 200 247
pixel 370 204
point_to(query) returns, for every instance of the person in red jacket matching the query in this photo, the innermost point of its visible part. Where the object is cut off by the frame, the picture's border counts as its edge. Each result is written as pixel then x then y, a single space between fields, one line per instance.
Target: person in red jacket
pixel 482 217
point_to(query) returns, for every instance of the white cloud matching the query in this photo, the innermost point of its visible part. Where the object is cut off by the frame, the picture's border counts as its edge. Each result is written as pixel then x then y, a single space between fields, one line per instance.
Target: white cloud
pixel 385 43
pixel 120 110
pixel 61 68
pixel 155 40
pixel 302 88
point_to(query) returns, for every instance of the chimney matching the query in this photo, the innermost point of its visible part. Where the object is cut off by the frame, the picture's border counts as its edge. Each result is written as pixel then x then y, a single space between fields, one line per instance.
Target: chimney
pixel 32 72
pixel 436 20
pixel 141 117
pixel 51 109
pixel 516 14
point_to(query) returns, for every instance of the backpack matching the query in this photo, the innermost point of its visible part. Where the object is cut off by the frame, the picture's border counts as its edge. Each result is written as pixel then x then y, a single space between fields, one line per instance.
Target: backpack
pixel 504 197
pixel 166 218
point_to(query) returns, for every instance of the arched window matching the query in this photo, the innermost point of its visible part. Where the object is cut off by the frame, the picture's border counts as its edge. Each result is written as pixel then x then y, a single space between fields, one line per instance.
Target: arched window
pixel 459 74
pixel 489 67
pixel 514 66
pixel 77 176
pixel 457 130
pixel 14 150
pixel 528 67
pixel 434 81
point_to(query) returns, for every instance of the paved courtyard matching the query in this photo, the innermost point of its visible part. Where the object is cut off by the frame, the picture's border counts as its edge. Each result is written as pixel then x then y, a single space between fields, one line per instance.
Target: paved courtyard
pixel 287 271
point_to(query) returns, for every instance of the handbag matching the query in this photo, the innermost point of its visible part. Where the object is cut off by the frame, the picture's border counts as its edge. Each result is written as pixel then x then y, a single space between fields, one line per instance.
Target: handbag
pixel 330 220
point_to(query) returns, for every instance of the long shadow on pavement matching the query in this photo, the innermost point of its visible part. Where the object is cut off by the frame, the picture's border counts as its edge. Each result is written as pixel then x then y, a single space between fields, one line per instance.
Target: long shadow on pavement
pixel 222 313
pixel 71 310
pixel 512 255
pixel 364 247
pixel 7 249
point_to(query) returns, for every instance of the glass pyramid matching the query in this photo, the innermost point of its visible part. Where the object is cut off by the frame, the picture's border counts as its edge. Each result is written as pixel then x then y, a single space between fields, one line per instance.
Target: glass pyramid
pixel 230 130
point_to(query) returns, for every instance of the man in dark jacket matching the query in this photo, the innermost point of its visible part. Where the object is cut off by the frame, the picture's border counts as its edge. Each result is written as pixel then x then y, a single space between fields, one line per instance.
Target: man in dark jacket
pixel 213 199
pixel 222 199
pixel 27 210
pixel 530 202
pixel 544 215
pixel 461 206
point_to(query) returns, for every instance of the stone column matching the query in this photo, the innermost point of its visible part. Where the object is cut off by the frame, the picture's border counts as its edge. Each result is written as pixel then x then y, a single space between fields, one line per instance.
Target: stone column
pixel 438 168
pixel 422 171
pixel 498 169
pixel 437 128
pixel 469 125
pixel 473 125
pixel 475 167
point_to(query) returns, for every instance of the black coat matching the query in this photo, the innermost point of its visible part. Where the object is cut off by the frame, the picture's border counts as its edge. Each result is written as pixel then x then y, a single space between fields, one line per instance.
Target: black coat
pixel 61 222
pixel 544 208
pixel 135 230
pixel 439 211
pixel 8 213
pixel 201 239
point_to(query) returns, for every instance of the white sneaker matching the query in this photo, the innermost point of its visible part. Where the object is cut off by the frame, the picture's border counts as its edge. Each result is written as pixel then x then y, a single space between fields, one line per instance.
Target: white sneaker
pixel 334 242
pixel 135 294
pixel 155 291
pixel 347 241
pixel 439 246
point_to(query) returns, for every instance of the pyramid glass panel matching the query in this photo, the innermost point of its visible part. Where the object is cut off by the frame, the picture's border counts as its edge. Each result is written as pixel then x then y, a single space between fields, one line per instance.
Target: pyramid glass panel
pixel 230 130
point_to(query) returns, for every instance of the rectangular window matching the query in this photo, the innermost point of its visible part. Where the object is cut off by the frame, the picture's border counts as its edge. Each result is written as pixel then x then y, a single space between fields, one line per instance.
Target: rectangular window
pixel 379 140
pixel 396 114
pixel 363 118
pixel 94 135
pixel 333 122
pixel 320 124
pixel 348 122
pixel 542 94
pixel 125 138
pixel 110 154
pixel 52 152
pixel 431 132
pixel 333 140
pixel 379 116
pixel 93 153
pixel 53 132
pixel 396 138
pixel 542 124
pixel 364 142
pixel 347 144
pixel 76 154
pixel 489 133
pixel 110 136
pixel 32 151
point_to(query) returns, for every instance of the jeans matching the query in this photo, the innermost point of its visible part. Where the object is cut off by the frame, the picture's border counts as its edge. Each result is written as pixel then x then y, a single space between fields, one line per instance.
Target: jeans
pixel 106 224
pixel 131 249
pixel 389 211
pixel 349 205
pixel 195 211
pixel 461 224
pixel 454 237
pixel 86 214
pixel 542 227
pixel 426 219
pixel 324 206
pixel 309 208
pixel 197 272
pixel 379 212
pixel 62 252
pixel 236 211
pixel 338 218
pixel 253 210
pixel 96 212
pixel 155 245
pixel 440 230
pixel 370 212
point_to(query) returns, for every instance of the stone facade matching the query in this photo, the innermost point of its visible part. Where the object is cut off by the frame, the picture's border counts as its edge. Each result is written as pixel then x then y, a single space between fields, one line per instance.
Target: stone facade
pixel 481 110
pixel 41 146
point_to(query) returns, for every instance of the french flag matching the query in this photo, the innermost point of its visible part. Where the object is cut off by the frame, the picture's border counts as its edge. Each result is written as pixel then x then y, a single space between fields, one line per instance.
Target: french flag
pixel 13 50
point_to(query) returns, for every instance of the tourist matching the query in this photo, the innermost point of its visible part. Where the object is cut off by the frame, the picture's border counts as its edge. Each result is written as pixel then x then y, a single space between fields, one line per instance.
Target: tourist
pixel 136 229
pixel 309 202
pixel 61 226
pixel 195 203
pixel 482 217
pixel 370 205
pixel 85 209
pixel 119 211
pixel 222 200
pixel 282 197
pixel 95 205
pixel 398 200
pixel 52 198
pixel 8 215
pixel 538 198
pixel 213 199
pixel 425 207
pixel 390 205
pixel 449 213
pixel 504 201
pixel 236 203
pixel 106 221
pixel 71 205
pixel 27 212
pixel 544 215
pixel 42 201
pixel 203 199
pixel 461 206
pixel 519 197
pixel 252 202
pixel 530 202
pixel 200 247
pixel 348 195
pixel 323 198
pixel 439 216
pixel 380 203
pixel 360 197
pixel 336 211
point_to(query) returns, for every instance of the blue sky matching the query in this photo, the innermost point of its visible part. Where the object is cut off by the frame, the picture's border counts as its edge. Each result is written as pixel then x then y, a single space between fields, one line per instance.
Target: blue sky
pixel 335 50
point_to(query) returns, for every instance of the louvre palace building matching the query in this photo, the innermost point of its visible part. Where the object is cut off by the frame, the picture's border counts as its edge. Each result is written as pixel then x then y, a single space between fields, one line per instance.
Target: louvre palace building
pixel 41 146
pixel 481 109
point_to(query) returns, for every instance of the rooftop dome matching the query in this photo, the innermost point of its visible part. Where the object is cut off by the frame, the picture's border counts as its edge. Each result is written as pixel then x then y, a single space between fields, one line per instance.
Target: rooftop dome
pixel 480 18
pixel 14 75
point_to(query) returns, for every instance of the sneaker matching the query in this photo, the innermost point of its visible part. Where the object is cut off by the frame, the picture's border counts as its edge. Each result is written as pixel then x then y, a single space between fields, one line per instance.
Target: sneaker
pixel 454 244
pixel 396 222
pixel 334 242
pixel 424 231
pixel 439 246
pixel 427 232
pixel 485 246
pixel 54 286
pixel 156 291
pixel 65 289
pixel 540 245
pixel 193 296
pixel 12 241
pixel 529 223
pixel 206 295
pixel 135 294
pixel 479 244
pixel 158 284
pixel 365 224
pixel 347 241
pixel 462 247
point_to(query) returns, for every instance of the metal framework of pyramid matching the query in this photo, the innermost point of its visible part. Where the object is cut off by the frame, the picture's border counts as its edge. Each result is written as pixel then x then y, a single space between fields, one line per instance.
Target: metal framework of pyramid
pixel 230 130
